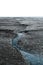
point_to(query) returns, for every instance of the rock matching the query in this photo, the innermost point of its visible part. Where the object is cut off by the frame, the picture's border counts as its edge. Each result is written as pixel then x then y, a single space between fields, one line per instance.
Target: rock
pixel 32 42
pixel 10 55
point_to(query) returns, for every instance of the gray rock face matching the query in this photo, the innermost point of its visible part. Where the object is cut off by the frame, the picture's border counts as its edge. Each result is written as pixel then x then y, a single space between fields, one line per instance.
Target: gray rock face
pixel 10 56
pixel 12 24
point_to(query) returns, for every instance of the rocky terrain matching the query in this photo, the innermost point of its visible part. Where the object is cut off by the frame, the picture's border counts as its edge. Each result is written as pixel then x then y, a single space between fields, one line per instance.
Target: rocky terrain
pixel 32 42
pixel 27 36
pixel 10 55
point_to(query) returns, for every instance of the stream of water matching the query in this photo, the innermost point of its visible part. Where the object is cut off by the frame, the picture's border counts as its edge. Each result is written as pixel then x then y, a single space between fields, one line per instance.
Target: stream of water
pixel 34 59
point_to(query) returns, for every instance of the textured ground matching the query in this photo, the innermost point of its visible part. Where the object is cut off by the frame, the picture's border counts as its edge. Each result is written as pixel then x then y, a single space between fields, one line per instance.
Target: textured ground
pixel 31 27
pixel 10 55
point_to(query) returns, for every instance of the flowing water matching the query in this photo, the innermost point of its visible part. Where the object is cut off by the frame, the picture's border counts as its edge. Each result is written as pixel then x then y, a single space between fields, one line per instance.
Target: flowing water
pixel 32 58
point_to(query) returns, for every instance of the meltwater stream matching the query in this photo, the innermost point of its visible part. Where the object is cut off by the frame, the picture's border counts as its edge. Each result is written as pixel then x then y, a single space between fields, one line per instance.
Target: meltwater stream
pixel 34 59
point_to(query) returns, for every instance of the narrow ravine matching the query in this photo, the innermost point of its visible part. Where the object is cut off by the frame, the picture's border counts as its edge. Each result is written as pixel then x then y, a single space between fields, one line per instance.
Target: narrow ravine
pixel 34 59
